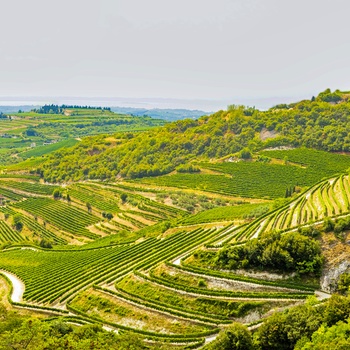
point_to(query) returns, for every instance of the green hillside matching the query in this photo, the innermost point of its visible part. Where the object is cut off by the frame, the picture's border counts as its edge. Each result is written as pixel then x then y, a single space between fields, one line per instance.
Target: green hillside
pixel 230 229
pixel 321 123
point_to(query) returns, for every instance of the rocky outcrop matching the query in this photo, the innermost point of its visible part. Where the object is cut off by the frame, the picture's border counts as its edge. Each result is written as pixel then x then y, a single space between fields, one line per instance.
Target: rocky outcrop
pixel 331 275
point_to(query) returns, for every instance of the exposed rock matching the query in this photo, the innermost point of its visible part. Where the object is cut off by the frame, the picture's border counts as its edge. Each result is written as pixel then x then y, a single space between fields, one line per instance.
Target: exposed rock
pixel 268 134
pixel 331 275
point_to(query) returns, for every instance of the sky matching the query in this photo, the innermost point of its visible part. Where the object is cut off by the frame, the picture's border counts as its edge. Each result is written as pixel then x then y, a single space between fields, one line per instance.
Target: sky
pixel 205 53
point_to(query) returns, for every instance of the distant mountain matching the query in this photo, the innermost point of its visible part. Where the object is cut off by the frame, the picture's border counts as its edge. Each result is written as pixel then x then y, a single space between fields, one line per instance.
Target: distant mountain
pixel 166 114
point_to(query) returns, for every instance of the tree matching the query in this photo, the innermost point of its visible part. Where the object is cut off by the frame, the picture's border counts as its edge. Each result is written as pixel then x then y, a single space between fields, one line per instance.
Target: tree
pixel 283 330
pixel 245 153
pixel 45 244
pixel 287 193
pixel 89 207
pixel 57 194
pixel 343 283
pixel 123 197
pixel 236 337
pixel 326 338
pixel 17 221
pixel 108 216
pixel 328 225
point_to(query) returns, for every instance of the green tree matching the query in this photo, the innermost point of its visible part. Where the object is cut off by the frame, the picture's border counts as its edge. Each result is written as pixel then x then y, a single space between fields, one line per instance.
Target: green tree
pixel 123 197
pixel 235 337
pixel 343 283
pixel 336 337
pixel 17 221
pixel 282 331
pixel 245 153
pixel 57 194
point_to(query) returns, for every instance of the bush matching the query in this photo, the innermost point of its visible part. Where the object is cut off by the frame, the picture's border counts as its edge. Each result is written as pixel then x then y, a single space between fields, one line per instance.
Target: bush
pixel 57 194
pixel 17 222
pixel 187 168
pixel 245 153
pixel 289 252
pixel 45 244
pixel 235 337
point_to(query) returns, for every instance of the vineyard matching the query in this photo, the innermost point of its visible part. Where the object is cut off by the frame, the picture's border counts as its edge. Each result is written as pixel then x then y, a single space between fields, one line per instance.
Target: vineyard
pixel 62 215
pixel 255 179
pixel 121 254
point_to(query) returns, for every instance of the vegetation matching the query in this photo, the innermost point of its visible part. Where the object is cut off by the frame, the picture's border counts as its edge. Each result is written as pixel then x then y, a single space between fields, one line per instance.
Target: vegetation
pixel 22 332
pixel 175 234
pixel 290 252
pixel 313 124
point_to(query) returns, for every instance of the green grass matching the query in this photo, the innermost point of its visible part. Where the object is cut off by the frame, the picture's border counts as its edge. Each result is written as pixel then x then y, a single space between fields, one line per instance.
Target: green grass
pixel 107 307
pixel 220 309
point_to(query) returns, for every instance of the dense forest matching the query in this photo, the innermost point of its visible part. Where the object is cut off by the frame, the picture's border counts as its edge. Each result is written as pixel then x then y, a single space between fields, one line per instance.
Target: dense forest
pixel 320 123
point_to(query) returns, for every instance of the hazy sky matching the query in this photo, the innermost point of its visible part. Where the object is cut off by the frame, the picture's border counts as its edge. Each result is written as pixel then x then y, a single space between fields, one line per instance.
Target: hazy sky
pixel 186 49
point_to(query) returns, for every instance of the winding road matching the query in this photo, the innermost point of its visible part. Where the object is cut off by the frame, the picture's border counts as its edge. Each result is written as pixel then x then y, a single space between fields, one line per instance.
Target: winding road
pixel 17 286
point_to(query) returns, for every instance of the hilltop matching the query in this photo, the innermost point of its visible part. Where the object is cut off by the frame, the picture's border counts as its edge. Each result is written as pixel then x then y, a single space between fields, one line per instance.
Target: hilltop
pixel 320 123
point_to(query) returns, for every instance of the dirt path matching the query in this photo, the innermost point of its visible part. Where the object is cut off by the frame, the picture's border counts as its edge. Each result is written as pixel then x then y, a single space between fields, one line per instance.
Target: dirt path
pixel 322 295
pixel 17 286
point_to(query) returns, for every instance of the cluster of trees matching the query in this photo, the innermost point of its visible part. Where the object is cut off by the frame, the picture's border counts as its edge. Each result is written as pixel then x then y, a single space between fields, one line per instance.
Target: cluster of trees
pixel 55 109
pixel 318 124
pixel 20 332
pixel 337 226
pixel 187 168
pixel 311 326
pixel 85 107
pixel 290 252
pixel 49 109
pixel 290 191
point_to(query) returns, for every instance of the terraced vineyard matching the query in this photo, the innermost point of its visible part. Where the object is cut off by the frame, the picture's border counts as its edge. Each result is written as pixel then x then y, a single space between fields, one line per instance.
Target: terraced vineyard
pixel 58 278
pixel 29 187
pixel 8 234
pixel 62 215
pixel 132 270
pixel 329 198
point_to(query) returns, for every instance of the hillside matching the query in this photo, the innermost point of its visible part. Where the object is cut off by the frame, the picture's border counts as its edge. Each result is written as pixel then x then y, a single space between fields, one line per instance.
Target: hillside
pixel 48 128
pixel 187 235
pixel 320 123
